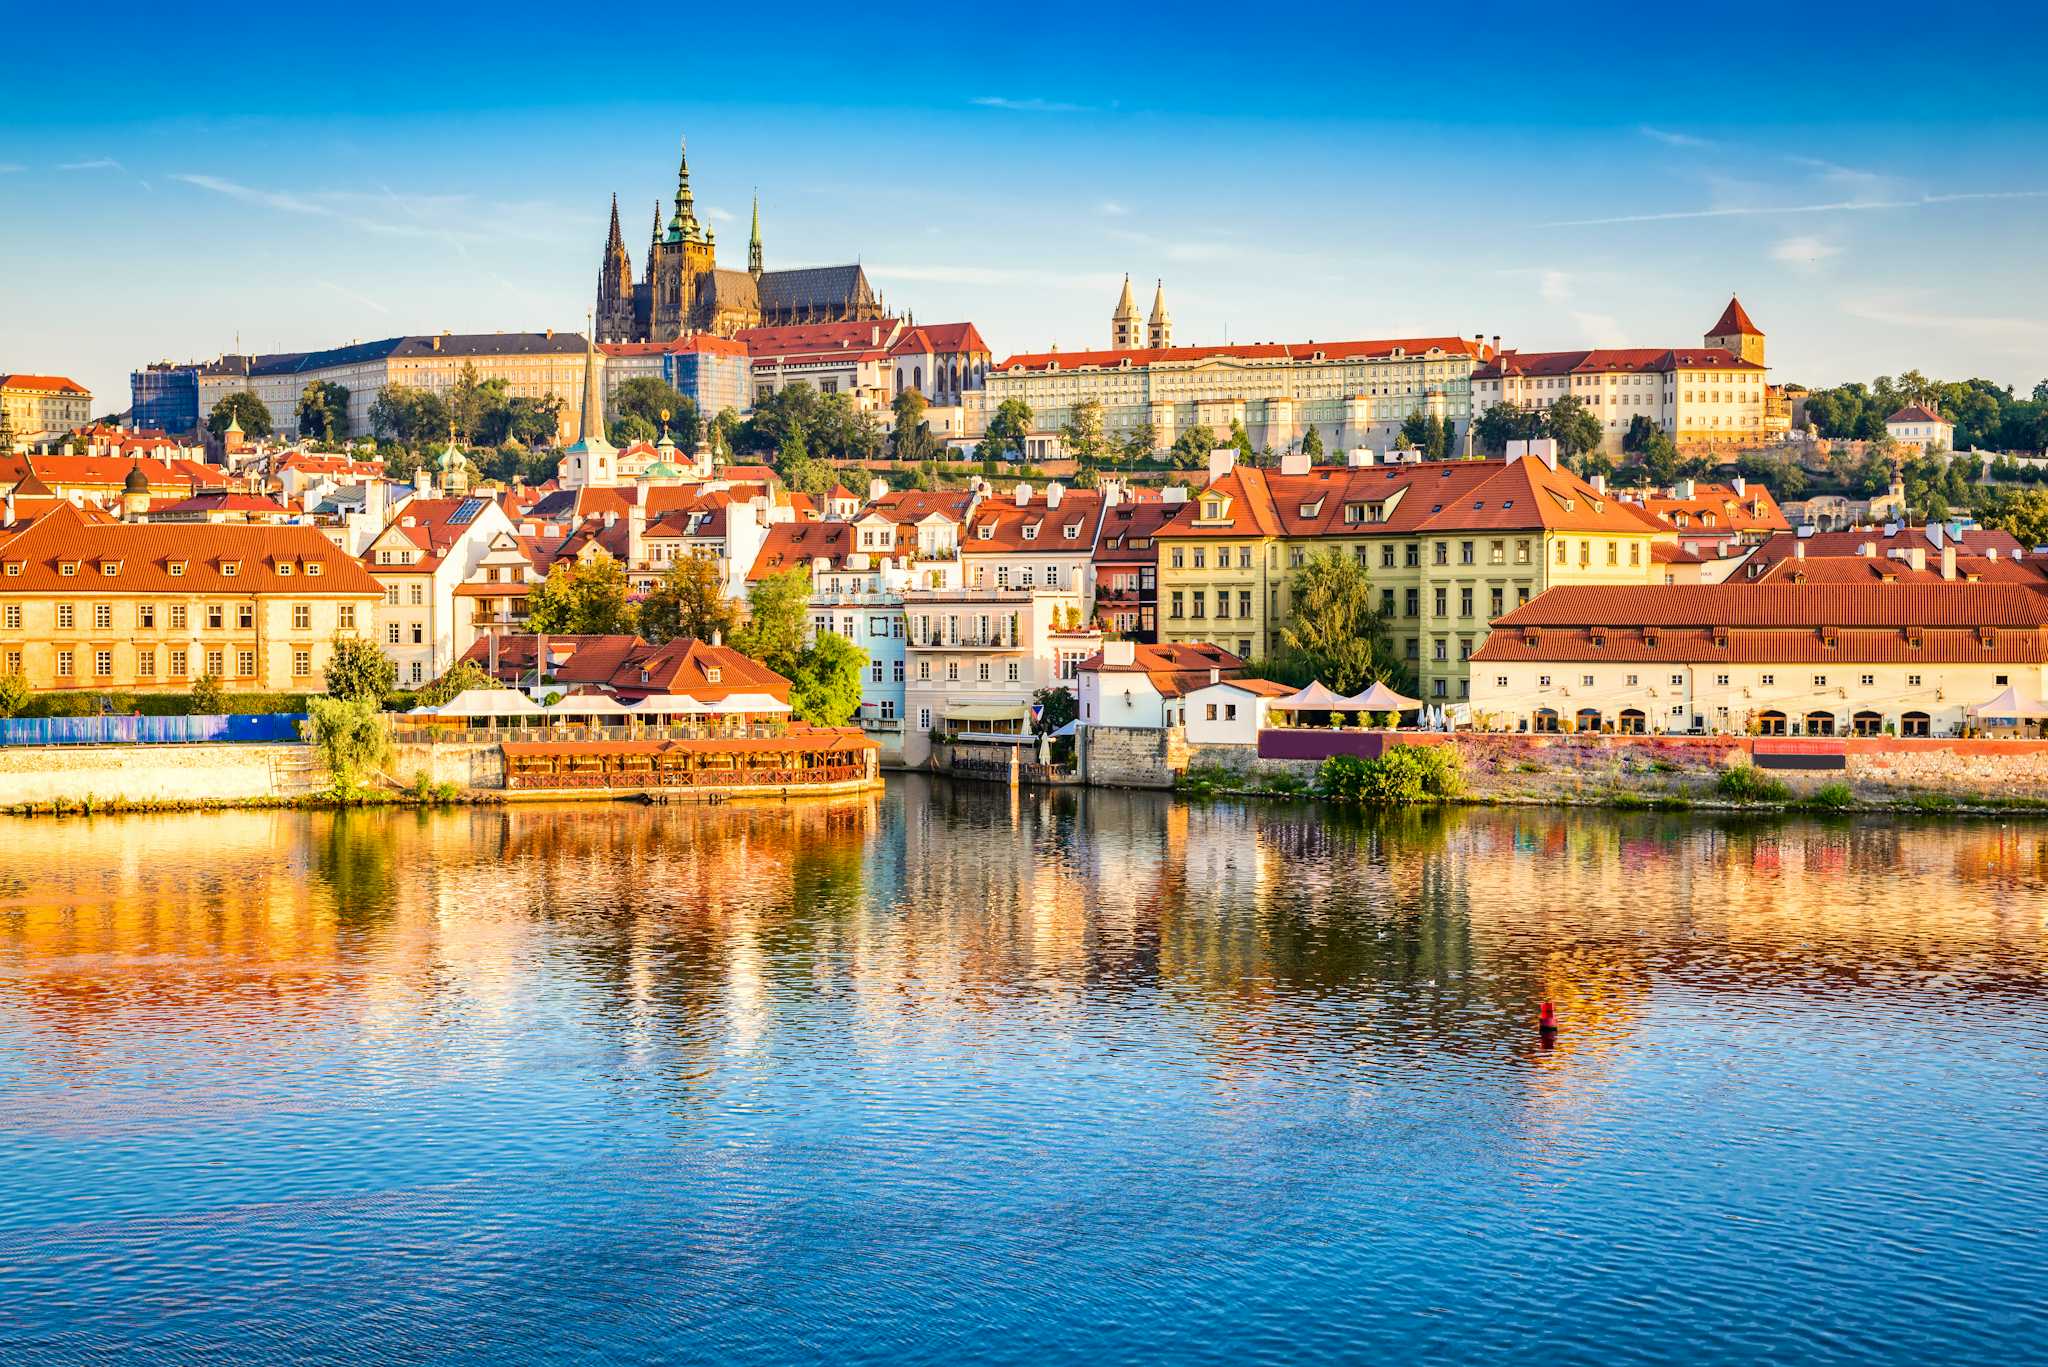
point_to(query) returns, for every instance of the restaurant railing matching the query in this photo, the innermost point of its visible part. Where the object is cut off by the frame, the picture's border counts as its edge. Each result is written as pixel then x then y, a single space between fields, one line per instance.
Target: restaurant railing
pixel 689 778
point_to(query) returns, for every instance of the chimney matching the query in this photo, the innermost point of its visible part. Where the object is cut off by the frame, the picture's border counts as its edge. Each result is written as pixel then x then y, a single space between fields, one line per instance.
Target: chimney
pixel 1053 494
pixel 1683 489
pixel 1948 561
pixel 1215 674
pixel 1917 558
pixel 1174 493
pixel 1360 457
pixel 877 489
pixel 1867 549
pixel 1799 550
pixel 1023 495
pixel 1222 461
pixel 1119 652
pixel 1599 483
pixel 636 534
pixel 1545 449
pixel 1739 485
pixel 611 517
pixel 8 520
pixel 1294 463
pixel 1496 344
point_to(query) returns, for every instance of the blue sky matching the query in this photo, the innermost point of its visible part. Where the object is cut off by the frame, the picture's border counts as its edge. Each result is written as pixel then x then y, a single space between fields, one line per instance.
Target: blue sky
pixel 1872 181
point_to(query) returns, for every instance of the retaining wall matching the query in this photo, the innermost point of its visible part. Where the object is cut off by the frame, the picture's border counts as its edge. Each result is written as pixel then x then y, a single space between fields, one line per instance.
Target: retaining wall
pixel 142 774
pixel 1131 756
pixel 466 765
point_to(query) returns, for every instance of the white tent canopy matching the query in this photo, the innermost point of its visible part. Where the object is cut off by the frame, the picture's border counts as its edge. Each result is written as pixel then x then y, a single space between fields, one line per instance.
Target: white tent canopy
pixel 487 702
pixel 588 705
pixel 2009 704
pixel 1380 698
pixel 1316 698
pixel 674 704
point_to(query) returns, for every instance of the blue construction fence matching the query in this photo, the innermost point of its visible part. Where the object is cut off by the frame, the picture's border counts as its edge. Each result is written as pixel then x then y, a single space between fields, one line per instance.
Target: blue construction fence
pixel 134 730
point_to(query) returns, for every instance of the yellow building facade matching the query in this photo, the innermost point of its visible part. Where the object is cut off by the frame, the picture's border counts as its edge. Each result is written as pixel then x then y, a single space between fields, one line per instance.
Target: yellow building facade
pixel 147 607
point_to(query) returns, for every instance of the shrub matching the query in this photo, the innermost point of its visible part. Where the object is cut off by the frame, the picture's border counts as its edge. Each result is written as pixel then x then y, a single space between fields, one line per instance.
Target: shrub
pixel 14 694
pixel 1342 778
pixel 1749 785
pixel 1404 776
pixel 1829 797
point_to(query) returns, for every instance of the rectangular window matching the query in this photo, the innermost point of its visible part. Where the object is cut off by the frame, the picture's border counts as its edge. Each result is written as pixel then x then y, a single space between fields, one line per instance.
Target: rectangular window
pixel 1174 557
pixel 1244 602
pixel 1013 671
pixel 103 664
pixel 176 662
pixel 245 664
pixel 216 663
pixel 1497 553
pixel 1201 558
pixel 1442 602
pixel 391 633
pixel 1464 602
pixel 245 616
pixel 145 663
pixel 1173 607
pixel 1465 552
pixel 1496 601
pixel 178 617
pixel 1244 557
pixel 145 616
pixel 63 664
pixel 216 617
pixel 1201 603
pixel 302 662
pixel 1443 552
pixel 419 594
pixel 12 617
pixel 66 616
pixel 348 617
pixel 103 616
pixel 952 671
pixel 897 670
pixel 391 595
pixel 924 671
pixel 302 617
pixel 1521 552
pixel 1387 556
pixel 1223 603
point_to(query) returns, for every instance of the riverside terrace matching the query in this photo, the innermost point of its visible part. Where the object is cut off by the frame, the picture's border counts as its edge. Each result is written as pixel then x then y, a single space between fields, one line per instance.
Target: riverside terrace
pixel 583 743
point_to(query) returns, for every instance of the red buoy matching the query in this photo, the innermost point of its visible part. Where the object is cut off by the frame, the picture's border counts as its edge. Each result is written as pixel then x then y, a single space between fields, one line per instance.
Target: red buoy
pixel 1546 1019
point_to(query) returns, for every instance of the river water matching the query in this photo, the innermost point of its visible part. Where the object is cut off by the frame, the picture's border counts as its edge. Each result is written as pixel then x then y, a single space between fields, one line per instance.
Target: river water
pixel 951 1074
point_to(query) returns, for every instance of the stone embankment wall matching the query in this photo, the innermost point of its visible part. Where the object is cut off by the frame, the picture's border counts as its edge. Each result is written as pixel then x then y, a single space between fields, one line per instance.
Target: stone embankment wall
pixel 144 774
pixel 1131 756
pixel 1594 768
pixel 465 765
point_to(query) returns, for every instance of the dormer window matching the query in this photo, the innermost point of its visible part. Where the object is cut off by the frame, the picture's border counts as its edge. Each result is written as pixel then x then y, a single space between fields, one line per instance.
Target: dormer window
pixel 67 568
pixel 110 568
pixel 713 674
pixel 14 569
pixel 230 568
pixel 314 567
pixel 1031 532
pixel 284 569
pixel 1212 509
pixel 986 531
pixel 176 568
pixel 1073 530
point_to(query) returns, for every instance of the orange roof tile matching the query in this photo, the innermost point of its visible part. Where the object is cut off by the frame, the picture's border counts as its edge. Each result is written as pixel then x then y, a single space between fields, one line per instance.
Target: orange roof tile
pixel 175 557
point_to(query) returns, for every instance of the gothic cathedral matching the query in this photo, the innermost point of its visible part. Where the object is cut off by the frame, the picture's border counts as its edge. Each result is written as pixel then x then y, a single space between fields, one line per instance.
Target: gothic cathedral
pixel 685 292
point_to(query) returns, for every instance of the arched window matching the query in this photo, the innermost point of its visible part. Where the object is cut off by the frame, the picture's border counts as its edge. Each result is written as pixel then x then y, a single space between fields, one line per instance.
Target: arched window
pixel 1867 724
pixel 899 379
pixel 1770 723
pixel 1589 719
pixel 1631 722
pixel 1545 720
pixel 1820 723
pixel 917 377
pixel 1914 724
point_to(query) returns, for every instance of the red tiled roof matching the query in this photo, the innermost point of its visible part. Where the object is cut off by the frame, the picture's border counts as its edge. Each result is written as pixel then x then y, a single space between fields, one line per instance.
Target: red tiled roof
pixel 143 555
pixel 1752 510
pixel 1769 645
pixel 914 505
pixel 1602 361
pixel 1173 669
pixel 1734 320
pixel 111 472
pixel 1249 351
pixel 793 545
pixel 1000 526
pixel 1914 412
pixel 1127 524
pixel 1870 569
pixel 1773 605
pixel 43 384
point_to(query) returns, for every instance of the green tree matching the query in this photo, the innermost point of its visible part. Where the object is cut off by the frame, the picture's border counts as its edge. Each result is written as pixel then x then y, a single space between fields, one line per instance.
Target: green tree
pixel 1335 632
pixel 1191 449
pixel 688 601
pixel 2025 514
pixel 911 440
pixel 1659 457
pixel 412 417
pixel 244 407
pixel 458 679
pixel 1240 441
pixel 467 402
pixel 824 685
pixel 209 699
pixel 530 422
pixel 1639 430
pixel 647 398
pixel 350 737
pixel 774 629
pixel 1503 423
pixel 1082 435
pixel 1008 426
pixel 323 411
pixel 14 693
pixel 358 669
pixel 794 406
pixel 1572 426
pixel 1312 445
pixel 1057 706
pixel 629 429
pixel 583 598
pixel 798 469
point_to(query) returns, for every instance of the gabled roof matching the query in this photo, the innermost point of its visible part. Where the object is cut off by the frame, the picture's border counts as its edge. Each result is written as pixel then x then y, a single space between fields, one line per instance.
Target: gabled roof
pixel 44 384
pixel 794 545
pixel 1718 507
pixel 1001 526
pixel 814 287
pixel 1173 669
pixel 1128 530
pixel 914 505
pixel 1773 605
pixel 175 557
pixel 1612 360
pixel 1248 509
pixel 1914 412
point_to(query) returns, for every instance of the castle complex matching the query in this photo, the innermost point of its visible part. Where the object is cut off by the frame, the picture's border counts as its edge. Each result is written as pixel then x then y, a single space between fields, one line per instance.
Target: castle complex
pixel 685 292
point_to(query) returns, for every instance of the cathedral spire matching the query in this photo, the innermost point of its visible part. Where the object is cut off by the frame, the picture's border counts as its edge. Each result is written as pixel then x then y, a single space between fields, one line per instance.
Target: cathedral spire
pixel 754 242
pixel 653 241
pixel 590 422
pixel 683 227
pixel 1123 324
pixel 1159 328
pixel 614 243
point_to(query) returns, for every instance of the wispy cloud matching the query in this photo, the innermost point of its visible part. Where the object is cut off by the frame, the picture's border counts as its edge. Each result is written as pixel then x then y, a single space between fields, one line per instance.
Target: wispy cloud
pixel 717 215
pixel 353 296
pixel 1555 286
pixel 1672 139
pixel 1842 206
pixel 2016 334
pixel 1031 105
pixel 385 212
pixel 1109 208
pixel 96 164
pixel 8 168
pixel 1601 329
pixel 1803 252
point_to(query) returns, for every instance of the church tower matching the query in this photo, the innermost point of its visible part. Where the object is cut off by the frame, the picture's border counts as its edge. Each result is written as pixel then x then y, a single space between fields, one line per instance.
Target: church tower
pixel 684 255
pixel 1125 333
pixel 614 322
pixel 754 243
pixel 1737 335
pixel 1159 331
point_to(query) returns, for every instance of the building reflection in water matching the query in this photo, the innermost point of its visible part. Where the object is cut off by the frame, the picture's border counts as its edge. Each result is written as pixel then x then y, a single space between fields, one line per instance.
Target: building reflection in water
pixel 1284 944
